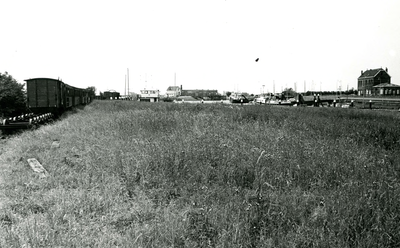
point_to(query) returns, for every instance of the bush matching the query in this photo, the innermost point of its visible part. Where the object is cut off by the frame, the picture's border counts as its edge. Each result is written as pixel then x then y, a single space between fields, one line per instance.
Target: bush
pixel 12 96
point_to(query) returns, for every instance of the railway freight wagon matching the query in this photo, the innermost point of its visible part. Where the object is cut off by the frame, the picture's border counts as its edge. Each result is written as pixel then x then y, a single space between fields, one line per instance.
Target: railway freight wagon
pixel 46 95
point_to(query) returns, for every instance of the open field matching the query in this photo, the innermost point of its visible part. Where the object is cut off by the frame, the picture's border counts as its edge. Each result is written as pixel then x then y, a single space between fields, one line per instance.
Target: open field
pixel 130 174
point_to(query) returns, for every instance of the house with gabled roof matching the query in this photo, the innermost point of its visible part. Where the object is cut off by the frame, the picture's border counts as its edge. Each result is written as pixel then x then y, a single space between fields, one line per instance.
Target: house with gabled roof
pixel 173 91
pixel 370 78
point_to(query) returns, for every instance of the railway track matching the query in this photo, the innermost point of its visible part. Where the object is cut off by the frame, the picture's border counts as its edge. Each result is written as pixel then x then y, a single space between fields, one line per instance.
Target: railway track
pixel 25 121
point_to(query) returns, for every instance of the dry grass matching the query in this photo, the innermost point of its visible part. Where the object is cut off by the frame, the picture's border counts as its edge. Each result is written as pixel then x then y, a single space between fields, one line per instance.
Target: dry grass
pixel 133 174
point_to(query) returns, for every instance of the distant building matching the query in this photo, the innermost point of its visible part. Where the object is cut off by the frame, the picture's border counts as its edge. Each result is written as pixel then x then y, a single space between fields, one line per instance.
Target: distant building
pixel 200 93
pixel 111 95
pixel 131 96
pixel 370 78
pixel 173 91
pixel 386 89
pixel 149 95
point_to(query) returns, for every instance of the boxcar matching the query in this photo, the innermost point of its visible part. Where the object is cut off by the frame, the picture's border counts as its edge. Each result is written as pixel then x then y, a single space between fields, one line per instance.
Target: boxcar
pixel 51 95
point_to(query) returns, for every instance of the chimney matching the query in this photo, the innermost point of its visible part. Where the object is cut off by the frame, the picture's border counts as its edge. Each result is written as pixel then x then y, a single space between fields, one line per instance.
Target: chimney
pixel 181 87
pixel 362 72
pixel 386 69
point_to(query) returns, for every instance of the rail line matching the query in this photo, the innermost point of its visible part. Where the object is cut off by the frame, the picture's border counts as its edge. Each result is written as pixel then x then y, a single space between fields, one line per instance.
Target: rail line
pixel 25 121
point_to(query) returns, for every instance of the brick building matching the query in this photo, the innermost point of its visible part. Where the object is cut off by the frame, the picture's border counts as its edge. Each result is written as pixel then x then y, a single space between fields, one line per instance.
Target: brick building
pixel 370 78
pixel 386 89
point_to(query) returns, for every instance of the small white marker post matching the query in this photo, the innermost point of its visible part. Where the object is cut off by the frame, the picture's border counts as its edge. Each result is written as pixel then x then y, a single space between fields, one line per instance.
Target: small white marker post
pixel 55 144
pixel 37 167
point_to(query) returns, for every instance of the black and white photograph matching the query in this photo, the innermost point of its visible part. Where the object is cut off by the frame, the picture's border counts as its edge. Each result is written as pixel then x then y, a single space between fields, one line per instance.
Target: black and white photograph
pixel 188 123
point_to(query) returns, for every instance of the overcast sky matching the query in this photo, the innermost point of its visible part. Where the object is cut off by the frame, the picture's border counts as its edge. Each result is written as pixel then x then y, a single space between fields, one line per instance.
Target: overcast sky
pixel 209 44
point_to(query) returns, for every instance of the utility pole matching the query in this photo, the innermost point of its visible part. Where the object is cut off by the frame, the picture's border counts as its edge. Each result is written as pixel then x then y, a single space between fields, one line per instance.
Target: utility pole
pixel 274 86
pixel 128 80
pixel 364 88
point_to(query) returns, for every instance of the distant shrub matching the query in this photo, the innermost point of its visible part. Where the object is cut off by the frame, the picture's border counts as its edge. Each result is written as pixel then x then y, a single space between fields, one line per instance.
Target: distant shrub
pixel 12 96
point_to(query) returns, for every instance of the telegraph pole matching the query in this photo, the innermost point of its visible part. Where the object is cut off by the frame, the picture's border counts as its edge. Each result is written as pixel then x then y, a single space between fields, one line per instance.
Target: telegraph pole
pixel 364 93
pixel 274 86
pixel 128 79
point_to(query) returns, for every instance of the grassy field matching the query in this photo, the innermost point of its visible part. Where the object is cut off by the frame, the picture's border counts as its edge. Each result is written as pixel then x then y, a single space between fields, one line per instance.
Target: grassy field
pixel 129 174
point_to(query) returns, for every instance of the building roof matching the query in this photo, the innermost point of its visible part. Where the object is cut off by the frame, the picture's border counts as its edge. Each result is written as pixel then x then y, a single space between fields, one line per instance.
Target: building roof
pixel 371 73
pixel 387 85
pixel 173 88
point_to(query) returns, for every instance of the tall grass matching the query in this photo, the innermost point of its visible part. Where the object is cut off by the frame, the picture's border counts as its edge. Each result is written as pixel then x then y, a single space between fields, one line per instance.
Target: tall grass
pixel 174 175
